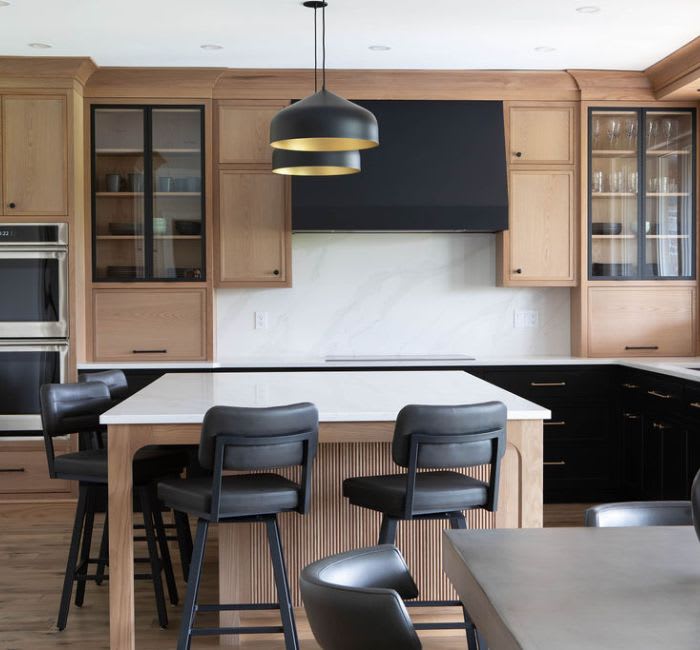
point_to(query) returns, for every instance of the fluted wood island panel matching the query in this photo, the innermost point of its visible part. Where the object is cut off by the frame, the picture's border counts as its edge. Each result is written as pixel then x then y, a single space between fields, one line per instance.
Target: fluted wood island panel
pixel 357 412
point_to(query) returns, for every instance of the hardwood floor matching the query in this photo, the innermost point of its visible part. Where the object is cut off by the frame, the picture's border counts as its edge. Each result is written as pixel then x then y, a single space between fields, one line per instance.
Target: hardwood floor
pixel 34 541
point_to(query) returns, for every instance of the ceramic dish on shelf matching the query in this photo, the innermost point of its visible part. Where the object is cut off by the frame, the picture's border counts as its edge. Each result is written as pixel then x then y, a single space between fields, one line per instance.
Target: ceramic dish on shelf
pixel 122 228
pixel 187 227
pixel 606 228
pixel 612 269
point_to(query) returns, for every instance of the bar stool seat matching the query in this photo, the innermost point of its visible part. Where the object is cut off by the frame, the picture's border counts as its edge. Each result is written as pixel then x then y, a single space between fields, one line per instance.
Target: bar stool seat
pixel 247 494
pixel 91 465
pixel 433 492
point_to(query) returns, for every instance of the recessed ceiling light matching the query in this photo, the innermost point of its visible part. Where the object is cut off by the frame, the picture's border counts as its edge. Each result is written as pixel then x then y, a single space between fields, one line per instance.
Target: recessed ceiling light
pixel 40 46
pixel 588 9
pixel 379 48
pixel 545 48
pixel 211 46
pixel 4 3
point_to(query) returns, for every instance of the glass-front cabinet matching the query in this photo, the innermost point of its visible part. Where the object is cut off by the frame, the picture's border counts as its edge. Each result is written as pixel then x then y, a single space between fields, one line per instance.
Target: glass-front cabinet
pixel 641 200
pixel 147 193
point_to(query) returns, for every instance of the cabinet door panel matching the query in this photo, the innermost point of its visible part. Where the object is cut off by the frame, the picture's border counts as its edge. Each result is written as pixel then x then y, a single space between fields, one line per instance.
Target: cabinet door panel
pixel 244 133
pixel 34 156
pixel 641 321
pixel 140 325
pixel 541 225
pixel 254 228
pixel 541 135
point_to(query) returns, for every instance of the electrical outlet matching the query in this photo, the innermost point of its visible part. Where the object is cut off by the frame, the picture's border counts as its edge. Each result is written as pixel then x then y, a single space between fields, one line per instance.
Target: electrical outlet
pixel 526 318
pixel 260 320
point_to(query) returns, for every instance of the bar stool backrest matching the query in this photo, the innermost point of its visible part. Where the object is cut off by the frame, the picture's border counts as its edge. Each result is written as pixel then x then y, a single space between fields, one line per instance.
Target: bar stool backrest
pixel 114 379
pixel 639 513
pixel 355 600
pixel 71 408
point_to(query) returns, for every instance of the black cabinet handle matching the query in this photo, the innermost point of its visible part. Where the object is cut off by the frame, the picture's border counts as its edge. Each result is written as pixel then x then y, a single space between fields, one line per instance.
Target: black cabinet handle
pixel 555 423
pixel 555 462
pixel 625 385
pixel 518 271
pixel 654 393
pixel 276 272
pixel 547 384
pixel 518 154
pixel 8 470
pixel 11 204
pixel 641 347
pixel 148 351
pixel 630 416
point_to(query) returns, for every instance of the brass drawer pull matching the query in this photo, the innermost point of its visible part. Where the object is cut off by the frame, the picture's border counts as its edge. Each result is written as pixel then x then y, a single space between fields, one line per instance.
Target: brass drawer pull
pixel 658 425
pixel 641 347
pixel 626 385
pixel 13 470
pixel 657 394
pixel 149 351
pixel 631 416
pixel 558 463
pixel 695 405
pixel 547 384
pixel 555 423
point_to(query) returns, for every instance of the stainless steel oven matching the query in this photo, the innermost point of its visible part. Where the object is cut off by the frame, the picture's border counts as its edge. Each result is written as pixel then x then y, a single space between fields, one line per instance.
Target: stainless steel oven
pixel 34 281
pixel 24 366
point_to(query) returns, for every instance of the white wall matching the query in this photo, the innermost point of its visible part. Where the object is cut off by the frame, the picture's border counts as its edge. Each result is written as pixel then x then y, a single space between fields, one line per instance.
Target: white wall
pixel 399 293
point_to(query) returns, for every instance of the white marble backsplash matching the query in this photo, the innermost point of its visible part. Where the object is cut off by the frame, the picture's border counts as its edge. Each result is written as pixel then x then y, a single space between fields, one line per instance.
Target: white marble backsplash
pixel 397 293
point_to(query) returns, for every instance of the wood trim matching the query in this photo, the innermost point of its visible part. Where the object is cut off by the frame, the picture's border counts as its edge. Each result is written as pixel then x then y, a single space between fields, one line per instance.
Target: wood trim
pixel 599 85
pixel 677 71
pixel 47 67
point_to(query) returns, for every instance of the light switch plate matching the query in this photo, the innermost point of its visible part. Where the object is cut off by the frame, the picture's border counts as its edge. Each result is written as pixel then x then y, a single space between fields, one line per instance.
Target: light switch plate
pixel 260 320
pixel 526 318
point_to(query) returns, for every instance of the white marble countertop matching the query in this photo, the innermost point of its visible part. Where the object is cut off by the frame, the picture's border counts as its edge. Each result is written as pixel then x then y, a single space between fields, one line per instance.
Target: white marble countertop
pixel 183 398
pixel 672 366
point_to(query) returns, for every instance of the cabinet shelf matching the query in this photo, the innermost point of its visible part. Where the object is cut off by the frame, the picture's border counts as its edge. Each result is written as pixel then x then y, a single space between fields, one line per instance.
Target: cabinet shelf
pixel 178 151
pixel 658 194
pixel 119 152
pixel 118 195
pixel 667 236
pixel 604 195
pixel 668 152
pixel 173 194
pixel 614 236
pixel 613 153
pixel 130 237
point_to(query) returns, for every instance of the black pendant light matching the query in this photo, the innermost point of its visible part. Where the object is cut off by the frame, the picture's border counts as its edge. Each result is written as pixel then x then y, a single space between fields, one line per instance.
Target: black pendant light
pixel 323 121
pixel 315 163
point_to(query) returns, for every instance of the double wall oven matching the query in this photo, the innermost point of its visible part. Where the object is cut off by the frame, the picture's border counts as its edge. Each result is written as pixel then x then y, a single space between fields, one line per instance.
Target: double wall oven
pixel 33 320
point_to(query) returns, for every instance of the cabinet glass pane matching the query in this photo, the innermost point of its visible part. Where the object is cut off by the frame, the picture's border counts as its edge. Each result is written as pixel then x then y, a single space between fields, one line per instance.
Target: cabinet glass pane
pixel 177 194
pixel 668 218
pixel 118 187
pixel 614 187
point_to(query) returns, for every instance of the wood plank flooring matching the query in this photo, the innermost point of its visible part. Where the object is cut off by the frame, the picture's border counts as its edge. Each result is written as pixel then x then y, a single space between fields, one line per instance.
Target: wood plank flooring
pixel 34 541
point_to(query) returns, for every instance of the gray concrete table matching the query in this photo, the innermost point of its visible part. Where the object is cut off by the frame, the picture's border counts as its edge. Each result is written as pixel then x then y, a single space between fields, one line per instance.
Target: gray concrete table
pixel 579 588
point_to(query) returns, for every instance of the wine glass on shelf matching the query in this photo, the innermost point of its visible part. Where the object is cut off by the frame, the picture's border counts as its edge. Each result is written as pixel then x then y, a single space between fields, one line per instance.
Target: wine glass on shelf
pixel 667 132
pixel 595 132
pixel 630 133
pixel 652 132
pixel 614 128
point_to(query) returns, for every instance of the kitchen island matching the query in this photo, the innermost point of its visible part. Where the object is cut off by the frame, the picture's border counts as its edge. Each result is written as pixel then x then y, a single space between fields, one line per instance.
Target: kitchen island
pixel 357 411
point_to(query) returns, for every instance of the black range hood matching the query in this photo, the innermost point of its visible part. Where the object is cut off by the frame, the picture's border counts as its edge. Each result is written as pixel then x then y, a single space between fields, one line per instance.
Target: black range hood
pixel 440 166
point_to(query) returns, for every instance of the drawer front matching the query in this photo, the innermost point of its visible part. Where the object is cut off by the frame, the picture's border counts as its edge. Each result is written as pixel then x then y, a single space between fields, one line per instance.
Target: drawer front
pixel 585 422
pixel 27 472
pixel 576 461
pixel 149 325
pixel 662 395
pixel 641 321
pixel 691 398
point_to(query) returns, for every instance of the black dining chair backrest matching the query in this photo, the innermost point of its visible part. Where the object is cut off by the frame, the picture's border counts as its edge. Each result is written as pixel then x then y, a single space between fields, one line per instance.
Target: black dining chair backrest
pixel 355 600
pixel 70 408
pixel 451 437
pixel 242 438
pixel 115 380
pixel 639 513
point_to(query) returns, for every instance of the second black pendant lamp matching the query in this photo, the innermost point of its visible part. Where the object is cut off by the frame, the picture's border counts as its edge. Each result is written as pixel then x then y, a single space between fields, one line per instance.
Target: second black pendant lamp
pixel 323 121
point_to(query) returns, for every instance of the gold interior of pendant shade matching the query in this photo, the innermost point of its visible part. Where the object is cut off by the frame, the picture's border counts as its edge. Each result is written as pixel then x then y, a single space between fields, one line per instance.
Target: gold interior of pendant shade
pixel 324 144
pixel 321 170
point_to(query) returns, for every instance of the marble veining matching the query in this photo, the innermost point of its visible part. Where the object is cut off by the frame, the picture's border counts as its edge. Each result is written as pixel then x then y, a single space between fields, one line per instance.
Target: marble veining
pixel 391 293
pixel 183 398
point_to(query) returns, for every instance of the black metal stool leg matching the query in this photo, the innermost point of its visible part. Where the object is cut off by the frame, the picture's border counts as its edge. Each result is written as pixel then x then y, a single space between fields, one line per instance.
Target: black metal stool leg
pixel 458 522
pixel 72 560
pixel 164 549
pixel 291 638
pixel 144 498
pixel 184 541
pixel 387 533
pixel 85 547
pixel 104 553
pixel 188 609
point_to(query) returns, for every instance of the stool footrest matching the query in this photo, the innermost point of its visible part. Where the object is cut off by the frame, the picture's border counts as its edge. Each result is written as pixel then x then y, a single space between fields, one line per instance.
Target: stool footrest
pixel 236 607
pixel 211 631
pixel 432 603
pixel 440 626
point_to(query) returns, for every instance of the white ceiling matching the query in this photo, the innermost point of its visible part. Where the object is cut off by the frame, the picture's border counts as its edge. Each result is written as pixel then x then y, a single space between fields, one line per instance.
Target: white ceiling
pixel 497 34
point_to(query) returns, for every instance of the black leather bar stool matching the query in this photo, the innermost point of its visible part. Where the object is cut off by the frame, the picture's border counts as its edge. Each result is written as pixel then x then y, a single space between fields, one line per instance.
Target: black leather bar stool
pixel 356 600
pixel 76 408
pixel 433 438
pixel 245 439
pixel 639 513
pixel 118 386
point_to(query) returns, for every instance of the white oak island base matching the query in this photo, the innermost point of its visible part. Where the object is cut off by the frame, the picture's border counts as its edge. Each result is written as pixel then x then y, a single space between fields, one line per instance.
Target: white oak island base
pixel 346 449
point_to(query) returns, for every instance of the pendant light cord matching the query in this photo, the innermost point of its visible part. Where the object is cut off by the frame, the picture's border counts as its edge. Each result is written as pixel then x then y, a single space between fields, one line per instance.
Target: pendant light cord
pixel 323 46
pixel 315 53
